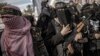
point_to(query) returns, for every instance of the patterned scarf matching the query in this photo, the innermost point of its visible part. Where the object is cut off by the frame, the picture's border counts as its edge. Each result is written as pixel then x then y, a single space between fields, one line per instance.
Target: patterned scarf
pixel 16 38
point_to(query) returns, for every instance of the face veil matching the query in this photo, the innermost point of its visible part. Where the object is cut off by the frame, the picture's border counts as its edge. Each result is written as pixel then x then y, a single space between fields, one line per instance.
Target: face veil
pixel 63 13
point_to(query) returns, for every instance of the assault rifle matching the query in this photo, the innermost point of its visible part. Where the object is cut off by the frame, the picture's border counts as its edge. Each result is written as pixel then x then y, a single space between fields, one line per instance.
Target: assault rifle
pixel 77 29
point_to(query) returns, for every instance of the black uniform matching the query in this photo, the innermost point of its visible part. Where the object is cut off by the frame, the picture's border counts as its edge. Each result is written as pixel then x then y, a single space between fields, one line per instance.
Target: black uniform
pixel 50 30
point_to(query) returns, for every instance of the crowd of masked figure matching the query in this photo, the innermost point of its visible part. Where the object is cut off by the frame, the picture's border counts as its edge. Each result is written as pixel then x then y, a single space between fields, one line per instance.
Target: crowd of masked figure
pixel 65 30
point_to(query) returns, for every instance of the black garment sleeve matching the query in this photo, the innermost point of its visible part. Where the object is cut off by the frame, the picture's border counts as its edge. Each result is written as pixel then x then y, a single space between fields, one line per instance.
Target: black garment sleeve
pixel 56 39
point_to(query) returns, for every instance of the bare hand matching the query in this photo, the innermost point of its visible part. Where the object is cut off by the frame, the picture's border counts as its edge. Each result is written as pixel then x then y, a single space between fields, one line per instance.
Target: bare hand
pixel 70 48
pixel 65 30
pixel 78 37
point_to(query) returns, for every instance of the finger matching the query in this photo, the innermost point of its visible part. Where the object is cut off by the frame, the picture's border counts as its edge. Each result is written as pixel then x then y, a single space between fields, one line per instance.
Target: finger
pixel 69 31
pixel 63 26
pixel 67 26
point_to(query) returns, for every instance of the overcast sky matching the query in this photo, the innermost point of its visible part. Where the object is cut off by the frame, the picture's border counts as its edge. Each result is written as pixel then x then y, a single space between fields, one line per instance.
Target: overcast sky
pixel 20 3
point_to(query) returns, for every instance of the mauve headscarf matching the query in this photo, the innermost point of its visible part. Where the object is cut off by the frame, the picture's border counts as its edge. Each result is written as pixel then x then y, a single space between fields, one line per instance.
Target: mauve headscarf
pixel 16 38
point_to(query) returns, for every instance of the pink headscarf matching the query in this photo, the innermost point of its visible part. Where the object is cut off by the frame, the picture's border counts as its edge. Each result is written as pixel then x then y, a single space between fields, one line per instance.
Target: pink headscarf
pixel 16 38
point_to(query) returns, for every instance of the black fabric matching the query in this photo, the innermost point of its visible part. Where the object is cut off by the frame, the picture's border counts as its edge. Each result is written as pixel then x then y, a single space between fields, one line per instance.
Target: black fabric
pixel 10 11
pixel 63 14
pixel 1 30
pixel 31 19
pixel 39 46
pixel 49 35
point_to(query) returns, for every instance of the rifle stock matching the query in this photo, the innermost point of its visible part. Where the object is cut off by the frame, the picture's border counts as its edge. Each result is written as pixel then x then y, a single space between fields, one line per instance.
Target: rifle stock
pixel 82 24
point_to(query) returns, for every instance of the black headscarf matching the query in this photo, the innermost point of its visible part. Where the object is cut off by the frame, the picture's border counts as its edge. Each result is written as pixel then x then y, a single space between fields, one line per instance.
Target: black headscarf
pixel 63 13
pixel 11 10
